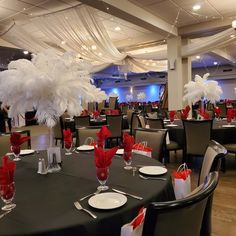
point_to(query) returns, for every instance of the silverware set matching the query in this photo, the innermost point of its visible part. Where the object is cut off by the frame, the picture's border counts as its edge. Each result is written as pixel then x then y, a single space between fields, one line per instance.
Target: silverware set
pixel 3 214
pixel 151 177
pixel 89 195
pixel 79 207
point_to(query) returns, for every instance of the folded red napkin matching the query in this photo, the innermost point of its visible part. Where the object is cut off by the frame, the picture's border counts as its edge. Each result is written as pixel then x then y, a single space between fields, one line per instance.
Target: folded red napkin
pixel 141 147
pixel 128 142
pixel 104 133
pixel 7 171
pixel 103 158
pixel 217 111
pixel 172 115
pixel 84 113
pixel 96 114
pixel 204 114
pixel 182 174
pixel 115 112
pixel 185 112
pixel 229 115
pixel 17 140
pixel 139 219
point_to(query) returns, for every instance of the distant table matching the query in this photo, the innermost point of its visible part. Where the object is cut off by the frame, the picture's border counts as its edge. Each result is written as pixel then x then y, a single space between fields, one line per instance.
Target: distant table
pixel 45 203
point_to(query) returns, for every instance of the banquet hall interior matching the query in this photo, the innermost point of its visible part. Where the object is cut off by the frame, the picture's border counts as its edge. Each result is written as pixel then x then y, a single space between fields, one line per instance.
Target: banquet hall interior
pixel 134 67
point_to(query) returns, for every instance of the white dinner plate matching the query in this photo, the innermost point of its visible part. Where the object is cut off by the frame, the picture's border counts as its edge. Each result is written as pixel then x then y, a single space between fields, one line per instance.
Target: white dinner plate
pixel 107 201
pixel 229 126
pixel 153 170
pixel 171 125
pixel 85 148
pixel 120 151
pixel 26 151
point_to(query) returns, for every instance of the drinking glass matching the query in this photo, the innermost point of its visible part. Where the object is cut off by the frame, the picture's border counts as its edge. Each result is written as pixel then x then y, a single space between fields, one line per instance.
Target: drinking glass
pixel 102 176
pixel 127 156
pixel 68 147
pixel 16 152
pixel 7 192
pixel 101 144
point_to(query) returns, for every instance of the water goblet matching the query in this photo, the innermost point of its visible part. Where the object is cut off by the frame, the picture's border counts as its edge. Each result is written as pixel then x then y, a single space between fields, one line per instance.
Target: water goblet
pixel 68 147
pixel 16 152
pixel 7 192
pixel 127 156
pixel 102 176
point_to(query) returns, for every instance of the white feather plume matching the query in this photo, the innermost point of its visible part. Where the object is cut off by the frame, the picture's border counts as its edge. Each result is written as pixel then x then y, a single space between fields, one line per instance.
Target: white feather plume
pixel 202 88
pixel 141 96
pixel 129 97
pixel 49 83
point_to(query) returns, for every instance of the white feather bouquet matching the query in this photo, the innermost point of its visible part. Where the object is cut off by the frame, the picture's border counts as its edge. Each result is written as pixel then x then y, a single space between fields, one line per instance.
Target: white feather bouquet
pixel 129 97
pixel 141 96
pixel 49 83
pixel 201 88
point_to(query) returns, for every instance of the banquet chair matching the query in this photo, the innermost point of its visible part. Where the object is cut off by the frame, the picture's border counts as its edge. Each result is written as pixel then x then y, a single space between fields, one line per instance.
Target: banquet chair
pixel 197 134
pixel 6 145
pixel 185 216
pixel 223 108
pixel 152 115
pixel 101 105
pixel 115 126
pixel 155 123
pixel 82 121
pixel 112 102
pixel 134 122
pixel 83 133
pixel 142 121
pixel 129 115
pixel 155 139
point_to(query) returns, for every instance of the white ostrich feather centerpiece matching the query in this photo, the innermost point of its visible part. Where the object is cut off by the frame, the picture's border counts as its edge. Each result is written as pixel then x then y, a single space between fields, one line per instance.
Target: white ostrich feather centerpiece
pixel 141 96
pixel 129 97
pixel 49 83
pixel 201 88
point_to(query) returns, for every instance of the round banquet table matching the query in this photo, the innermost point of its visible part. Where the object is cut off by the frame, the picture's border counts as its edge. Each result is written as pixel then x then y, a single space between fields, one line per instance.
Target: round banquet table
pixel 44 203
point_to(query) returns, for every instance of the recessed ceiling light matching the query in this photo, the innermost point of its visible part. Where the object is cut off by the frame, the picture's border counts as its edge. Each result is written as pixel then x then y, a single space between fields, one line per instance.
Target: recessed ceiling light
pixel 26 52
pixel 24 8
pixel 108 8
pixel 198 57
pixel 94 47
pixel 117 28
pixel 215 63
pixel 196 7
pixel 63 42
pixel 232 36
pixel 100 54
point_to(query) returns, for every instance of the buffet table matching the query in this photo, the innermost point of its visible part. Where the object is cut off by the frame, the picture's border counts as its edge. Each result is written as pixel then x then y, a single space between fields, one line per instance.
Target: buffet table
pixel 44 203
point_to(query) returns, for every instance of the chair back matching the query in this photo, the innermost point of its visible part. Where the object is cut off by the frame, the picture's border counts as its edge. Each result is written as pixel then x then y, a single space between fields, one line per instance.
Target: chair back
pixel 185 216
pixel 129 115
pixel 6 145
pixel 58 129
pixel 124 109
pixel 91 106
pixel 134 122
pixel 197 136
pixel 84 133
pixel 148 108
pixel 155 123
pixel 212 160
pixel 82 121
pixel 223 109
pixel 101 105
pixel 112 102
pixel 155 139
pixel 152 115
pixel 115 125
pixel 142 121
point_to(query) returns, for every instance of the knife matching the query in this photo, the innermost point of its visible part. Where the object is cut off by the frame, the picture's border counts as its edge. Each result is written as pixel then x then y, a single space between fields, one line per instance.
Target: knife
pixel 128 194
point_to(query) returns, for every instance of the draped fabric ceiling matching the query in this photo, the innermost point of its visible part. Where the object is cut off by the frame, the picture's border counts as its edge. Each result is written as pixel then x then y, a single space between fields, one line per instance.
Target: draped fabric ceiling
pixel 79 30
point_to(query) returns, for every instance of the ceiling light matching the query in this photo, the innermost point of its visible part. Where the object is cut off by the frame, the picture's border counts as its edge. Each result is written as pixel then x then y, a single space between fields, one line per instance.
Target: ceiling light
pixel 117 28
pixel 94 47
pixel 63 42
pixel 24 8
pixel 234 24
pixel 198 57
pixel 100 54
pixel 26 52
pixel 215 63
pixel 232 36
pixel 108 8
pixel 196 7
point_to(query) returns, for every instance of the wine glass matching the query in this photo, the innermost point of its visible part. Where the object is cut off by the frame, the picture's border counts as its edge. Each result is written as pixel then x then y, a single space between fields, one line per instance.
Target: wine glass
pixel 102 176
pixel 127 156
pixel 16 152
pixel 7 192
pixel 68 147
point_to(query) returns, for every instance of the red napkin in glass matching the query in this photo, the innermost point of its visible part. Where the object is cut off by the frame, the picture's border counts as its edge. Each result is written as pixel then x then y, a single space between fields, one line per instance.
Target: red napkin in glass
pixel 7 171
pixel 217 111
pixel 172 115
pixel 17 140
pixel 96 114
pixel 204 114
pixel 229 115
pixel 128 142
pixel 67 135
pixel 115 112
pixel 104 133
pixel 84 113
pixel 185 112
pixel 103 158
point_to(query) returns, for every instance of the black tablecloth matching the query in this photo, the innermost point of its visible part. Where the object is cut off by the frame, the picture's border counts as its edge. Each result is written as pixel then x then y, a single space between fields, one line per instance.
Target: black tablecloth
pixel 45 202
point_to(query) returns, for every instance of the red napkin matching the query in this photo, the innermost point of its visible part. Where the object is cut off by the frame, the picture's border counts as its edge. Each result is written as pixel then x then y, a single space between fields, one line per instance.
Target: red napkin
pixel 182 174
pixel 96 114
pixel 7 171
pixel 172 115
pixel 17 140
pixel 115 112
pixel 228 102
pixel 229 115
pixel 67 138
pixel 185 112
pixel 217 111
pixel 103 158
pixel 104 133
pixel 108 112
pixel 204 114
pixel 128 142
pixel 139 219
pixel 84 113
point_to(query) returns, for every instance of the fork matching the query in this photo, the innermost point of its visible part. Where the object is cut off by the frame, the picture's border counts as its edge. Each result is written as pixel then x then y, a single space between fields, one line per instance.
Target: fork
pixel 3 214
pixel 79 207
pixel 91 194
pixel 155 178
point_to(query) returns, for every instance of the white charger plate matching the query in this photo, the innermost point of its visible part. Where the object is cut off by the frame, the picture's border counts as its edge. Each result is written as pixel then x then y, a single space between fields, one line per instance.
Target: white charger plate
pixel 85 148
pixel 171 125
pixel 26 151
pixel 107 201
pixel 120 151
pixel 228 126
pixel 153 170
